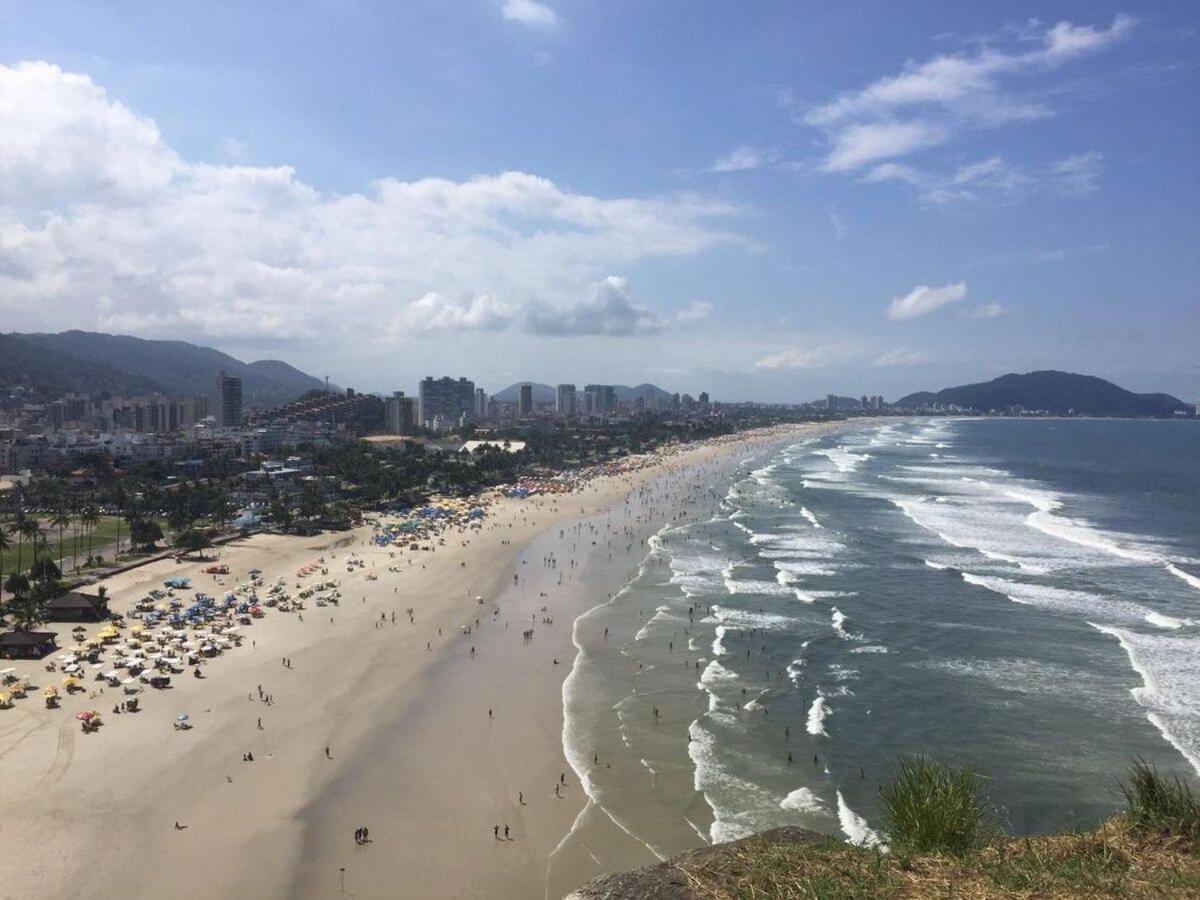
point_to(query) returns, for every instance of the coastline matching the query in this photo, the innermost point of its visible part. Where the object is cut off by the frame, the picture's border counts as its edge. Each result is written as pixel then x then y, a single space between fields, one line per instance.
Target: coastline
pixel 414 755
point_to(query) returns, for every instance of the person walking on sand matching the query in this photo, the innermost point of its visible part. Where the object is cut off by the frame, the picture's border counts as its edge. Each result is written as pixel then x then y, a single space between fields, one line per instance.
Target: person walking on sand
pixel 327 754
pixel 496 832
pixel 506 832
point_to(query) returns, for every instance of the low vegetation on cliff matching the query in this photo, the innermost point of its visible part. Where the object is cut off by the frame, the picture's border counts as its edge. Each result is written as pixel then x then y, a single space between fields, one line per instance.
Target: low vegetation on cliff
pixel 942 843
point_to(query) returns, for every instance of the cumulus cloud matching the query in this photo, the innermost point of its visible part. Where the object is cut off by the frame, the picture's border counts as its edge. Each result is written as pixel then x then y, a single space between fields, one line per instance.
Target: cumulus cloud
pixel 901 356
pixel 923 299
pixel 103 224
pixel 929 103
pixel 813 357
pixel 529 12
pixel 607 310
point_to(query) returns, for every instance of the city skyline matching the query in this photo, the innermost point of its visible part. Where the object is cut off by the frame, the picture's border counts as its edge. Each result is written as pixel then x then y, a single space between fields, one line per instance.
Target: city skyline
pixel 770 203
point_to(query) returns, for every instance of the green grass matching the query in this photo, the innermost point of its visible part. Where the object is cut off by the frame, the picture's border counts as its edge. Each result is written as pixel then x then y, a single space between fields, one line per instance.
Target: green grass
pixel 934 808
pixel 103 535
pixel 946 847
pixel 1160 802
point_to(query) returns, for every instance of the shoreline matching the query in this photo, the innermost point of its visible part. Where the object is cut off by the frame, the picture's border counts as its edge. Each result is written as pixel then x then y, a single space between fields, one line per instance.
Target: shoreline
pixel 83 814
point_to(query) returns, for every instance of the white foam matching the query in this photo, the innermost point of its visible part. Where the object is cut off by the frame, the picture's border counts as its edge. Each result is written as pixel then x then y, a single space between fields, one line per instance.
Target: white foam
pixel 1187 577
pixel 844 460
pixel 870 648
pixel 738 806
pixel 803 800
pixel 816 716
pixel 746 619
pixel 1080 603
pixel 715 674
pixel 1162 621
pixel 735 586
pixel 855 826
pixel 1169 666
pixel 810 517
pixel 838 621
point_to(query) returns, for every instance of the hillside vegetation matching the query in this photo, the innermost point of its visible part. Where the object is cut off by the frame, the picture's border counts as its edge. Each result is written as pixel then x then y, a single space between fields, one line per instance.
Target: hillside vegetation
pixel 1055 392
pixel 943 843
pixel 91 362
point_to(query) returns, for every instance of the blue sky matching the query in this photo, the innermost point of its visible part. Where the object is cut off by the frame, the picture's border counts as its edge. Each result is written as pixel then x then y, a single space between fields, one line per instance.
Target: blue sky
pixel 768 201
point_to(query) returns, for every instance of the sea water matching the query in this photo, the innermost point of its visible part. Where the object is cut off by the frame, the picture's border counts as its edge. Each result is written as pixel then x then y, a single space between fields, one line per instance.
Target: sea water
pixel 1017 596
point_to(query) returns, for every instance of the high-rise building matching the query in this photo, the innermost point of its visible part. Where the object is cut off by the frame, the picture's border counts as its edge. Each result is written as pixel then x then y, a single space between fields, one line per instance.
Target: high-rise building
pixel 481 403
pixel 564 400
pixel 600 399
pixel 525 401
pixel 703 399
pixel 229 396
pixel 400 414
pixel 830 402
pixel 446 399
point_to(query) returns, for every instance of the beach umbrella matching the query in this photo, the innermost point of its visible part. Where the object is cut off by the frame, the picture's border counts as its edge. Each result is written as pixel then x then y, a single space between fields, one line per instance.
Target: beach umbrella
pixel 182 717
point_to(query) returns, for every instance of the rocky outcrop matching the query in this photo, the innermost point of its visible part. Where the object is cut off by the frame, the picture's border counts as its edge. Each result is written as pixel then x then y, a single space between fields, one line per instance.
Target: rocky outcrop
pixel 669 881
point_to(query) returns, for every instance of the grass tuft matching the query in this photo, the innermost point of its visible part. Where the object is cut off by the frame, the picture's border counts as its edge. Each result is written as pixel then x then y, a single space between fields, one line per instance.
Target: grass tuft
pixel 934 808
pixel 1160 802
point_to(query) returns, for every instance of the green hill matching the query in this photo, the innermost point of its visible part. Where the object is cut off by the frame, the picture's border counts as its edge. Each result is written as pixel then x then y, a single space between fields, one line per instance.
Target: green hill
pixel 1055 392
pixel 125 364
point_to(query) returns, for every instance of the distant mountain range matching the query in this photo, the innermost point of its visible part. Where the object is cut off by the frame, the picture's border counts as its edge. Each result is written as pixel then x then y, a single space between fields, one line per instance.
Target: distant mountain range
pixel 91 362
pixel 1054 392
pixel 544 393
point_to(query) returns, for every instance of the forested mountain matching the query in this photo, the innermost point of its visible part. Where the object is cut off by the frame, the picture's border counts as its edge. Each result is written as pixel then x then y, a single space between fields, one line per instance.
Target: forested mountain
pixel 120 364
pixel 1054 392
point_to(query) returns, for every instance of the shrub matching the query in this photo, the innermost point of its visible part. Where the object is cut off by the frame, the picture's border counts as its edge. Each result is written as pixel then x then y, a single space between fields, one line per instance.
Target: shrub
pixel 1160 802
pixel 934 808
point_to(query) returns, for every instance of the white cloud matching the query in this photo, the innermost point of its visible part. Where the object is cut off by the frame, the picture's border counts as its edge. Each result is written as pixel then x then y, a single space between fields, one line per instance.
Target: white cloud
pixel 923 299
pixel 993 178
pixel 233 148
pixel 901 357
pixel 857 145
pixel 609 309
pixel 1078 174
pixel 103 225
pixel 529 12
pixel 742 159
pixel 928 103
pixel 814 357
pixel 985 311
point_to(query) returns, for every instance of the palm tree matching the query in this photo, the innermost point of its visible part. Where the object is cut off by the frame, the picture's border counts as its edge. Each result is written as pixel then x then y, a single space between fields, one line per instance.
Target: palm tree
pixel 119 500
pixel 5 543
pixel 75 526
pixel 17 527
pixel 33 531
pixel 61 520
pixel 90 521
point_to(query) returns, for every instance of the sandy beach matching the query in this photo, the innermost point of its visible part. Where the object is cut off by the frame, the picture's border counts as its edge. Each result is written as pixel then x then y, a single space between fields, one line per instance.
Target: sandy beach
pixel 435 737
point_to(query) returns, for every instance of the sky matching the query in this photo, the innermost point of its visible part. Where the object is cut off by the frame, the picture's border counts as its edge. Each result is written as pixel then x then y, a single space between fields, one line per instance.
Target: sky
pixel 768 201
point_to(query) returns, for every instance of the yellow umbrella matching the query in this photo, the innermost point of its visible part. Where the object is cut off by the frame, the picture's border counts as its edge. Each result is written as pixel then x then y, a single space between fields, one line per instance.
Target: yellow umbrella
pixel 70 682
pixel 5 700
pixel 50 691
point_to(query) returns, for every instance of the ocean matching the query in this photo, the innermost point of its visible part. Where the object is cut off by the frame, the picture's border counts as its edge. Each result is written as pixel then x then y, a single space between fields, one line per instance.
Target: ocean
pixel 1017 596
